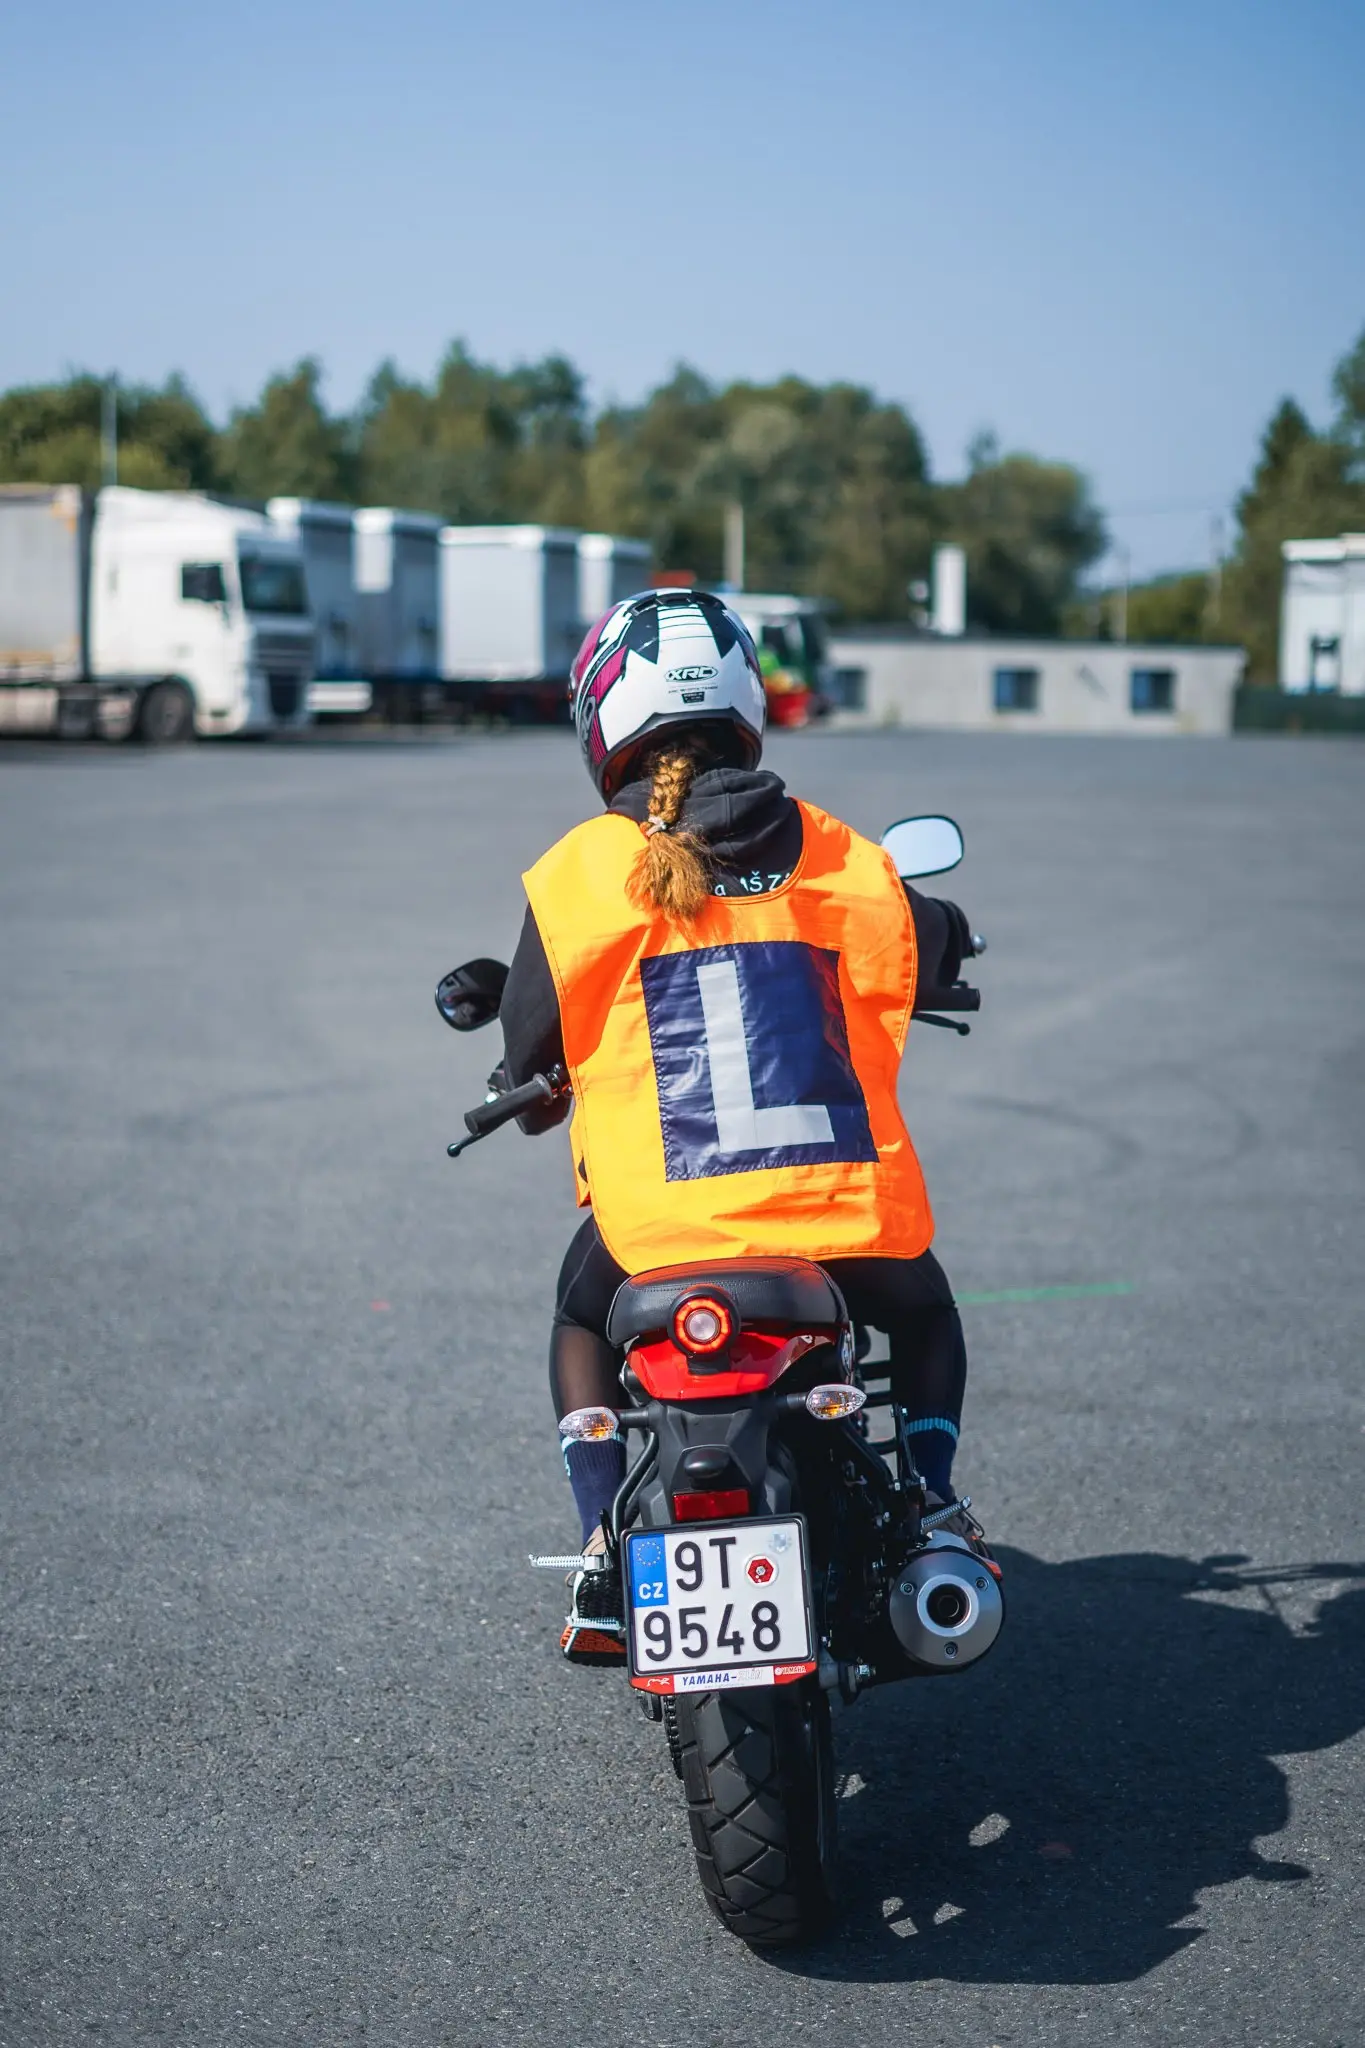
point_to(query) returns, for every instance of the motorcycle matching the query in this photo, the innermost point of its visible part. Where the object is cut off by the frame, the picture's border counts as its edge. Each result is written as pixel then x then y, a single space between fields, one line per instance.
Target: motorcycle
pixel 775 1556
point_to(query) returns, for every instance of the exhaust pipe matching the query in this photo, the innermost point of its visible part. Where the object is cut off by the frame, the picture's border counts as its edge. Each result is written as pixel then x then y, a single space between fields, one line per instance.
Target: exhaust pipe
pixel 946 1606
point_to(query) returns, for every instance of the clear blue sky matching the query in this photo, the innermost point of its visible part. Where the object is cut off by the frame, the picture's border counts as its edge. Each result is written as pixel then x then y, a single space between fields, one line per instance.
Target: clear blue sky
pixel 1115 233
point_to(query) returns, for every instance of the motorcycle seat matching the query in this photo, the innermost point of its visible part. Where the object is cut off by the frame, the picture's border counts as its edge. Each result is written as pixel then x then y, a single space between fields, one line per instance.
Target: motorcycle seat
pixel 793 1292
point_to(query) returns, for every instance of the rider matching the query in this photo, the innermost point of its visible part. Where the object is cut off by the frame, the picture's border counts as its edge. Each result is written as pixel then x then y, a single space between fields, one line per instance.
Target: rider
pixel 812 949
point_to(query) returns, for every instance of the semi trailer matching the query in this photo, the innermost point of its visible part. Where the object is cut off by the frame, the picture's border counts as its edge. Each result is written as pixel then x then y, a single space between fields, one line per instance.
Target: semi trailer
pixel 325 538
pixel 159 614
pixel 609 570
pixel 510 622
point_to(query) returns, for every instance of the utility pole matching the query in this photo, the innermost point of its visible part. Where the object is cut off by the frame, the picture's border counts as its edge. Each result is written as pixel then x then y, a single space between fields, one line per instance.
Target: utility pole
pixel 109 430
pixel 1215 606
pixel 1121 605
pixel 734 545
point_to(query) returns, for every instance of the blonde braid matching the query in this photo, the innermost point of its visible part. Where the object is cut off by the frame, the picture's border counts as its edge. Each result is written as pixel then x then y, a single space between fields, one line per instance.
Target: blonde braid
pixel 673 870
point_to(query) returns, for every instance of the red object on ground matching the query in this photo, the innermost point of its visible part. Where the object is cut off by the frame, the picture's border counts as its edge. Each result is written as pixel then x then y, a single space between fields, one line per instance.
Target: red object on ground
pixel 789 707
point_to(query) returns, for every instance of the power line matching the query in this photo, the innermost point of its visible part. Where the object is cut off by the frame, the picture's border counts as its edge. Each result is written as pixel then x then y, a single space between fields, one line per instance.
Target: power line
pixel 1208 506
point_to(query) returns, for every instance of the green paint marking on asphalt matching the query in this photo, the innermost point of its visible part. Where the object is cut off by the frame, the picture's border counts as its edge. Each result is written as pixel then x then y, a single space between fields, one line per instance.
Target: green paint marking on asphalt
pixel 1101 1287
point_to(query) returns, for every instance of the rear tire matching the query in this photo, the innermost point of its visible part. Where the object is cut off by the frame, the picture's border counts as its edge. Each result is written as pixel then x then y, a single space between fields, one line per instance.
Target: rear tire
pixel 165 717
pixel 758 1770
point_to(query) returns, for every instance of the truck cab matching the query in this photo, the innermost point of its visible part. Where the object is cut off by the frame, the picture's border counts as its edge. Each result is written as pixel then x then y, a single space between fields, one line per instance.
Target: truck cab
pixel 793 650
pixel 207 595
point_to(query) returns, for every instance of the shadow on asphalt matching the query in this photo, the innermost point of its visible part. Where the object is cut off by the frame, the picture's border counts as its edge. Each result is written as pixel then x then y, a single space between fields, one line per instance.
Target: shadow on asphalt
pixel 1052 1817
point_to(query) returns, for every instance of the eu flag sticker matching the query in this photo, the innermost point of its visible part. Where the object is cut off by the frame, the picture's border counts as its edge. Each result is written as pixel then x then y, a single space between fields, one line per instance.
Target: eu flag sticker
pixel 648 1572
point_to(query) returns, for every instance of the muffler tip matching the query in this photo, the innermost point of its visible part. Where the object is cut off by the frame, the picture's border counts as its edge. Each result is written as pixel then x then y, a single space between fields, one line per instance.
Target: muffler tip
pixel 945 1611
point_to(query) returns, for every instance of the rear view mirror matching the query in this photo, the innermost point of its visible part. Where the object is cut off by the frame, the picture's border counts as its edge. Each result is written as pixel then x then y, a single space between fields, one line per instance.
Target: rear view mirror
pixel 923 846
pixel 471 996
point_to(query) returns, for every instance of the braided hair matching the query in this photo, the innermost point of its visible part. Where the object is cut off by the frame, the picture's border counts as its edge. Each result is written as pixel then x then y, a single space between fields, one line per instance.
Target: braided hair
pixel 673 869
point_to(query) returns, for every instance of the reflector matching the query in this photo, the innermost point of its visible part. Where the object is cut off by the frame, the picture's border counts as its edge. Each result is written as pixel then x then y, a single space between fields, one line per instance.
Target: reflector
pixel 831 1403
pixel 589 1425
pixel 710 1507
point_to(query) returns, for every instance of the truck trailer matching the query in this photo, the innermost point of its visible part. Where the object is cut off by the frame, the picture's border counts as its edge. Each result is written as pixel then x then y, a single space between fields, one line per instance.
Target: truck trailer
pixel 510 623
pixel 398 578
pixel 155 613
pixel 325 537
pixel 610 569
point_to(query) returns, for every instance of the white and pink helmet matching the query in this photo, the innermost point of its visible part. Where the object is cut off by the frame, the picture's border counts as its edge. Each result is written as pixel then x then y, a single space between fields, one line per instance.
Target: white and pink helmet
pixel 663 658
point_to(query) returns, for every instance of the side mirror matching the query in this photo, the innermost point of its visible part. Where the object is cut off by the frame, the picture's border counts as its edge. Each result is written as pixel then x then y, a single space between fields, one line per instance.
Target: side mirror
pixel 471 996
pixel 923 846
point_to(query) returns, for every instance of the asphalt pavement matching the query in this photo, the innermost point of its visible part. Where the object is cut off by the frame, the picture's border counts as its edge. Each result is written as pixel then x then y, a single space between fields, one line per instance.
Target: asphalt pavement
pixel 289 1752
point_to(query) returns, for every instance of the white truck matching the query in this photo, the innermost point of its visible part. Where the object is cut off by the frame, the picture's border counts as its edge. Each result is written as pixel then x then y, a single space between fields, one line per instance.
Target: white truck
pixel 156 613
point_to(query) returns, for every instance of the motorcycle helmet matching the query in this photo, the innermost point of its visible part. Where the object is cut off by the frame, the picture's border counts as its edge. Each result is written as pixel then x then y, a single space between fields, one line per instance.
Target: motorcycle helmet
pixel 660 659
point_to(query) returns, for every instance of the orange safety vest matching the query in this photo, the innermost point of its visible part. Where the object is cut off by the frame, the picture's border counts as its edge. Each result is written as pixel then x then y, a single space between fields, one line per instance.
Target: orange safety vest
pixel 735 1078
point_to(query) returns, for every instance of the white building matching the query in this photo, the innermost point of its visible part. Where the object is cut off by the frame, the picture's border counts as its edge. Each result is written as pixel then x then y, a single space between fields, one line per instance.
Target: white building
pixel 893 675
pixel 1322 615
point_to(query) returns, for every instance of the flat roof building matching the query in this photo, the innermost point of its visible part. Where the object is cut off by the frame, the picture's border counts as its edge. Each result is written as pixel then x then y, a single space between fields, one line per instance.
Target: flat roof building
pixel 893 675
pixel 1322 615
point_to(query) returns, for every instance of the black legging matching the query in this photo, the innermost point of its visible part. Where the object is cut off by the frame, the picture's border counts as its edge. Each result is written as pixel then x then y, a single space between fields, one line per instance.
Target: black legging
pixel 909 1299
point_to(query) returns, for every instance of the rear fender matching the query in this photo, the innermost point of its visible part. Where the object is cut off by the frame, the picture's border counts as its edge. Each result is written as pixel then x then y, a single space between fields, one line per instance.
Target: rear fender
pixel 743 1431
pixel 755 1361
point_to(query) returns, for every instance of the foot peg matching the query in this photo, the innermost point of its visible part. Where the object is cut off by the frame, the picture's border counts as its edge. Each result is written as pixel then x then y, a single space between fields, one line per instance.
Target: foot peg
pixel 942 1515
pixel 570 1561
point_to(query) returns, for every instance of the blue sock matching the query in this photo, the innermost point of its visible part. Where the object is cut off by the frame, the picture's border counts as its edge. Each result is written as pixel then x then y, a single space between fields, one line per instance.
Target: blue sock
pixel 933 1440
pixel 595 1471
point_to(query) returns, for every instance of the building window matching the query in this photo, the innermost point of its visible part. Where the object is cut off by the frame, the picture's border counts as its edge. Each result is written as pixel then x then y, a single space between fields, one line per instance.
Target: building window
pixel 1016 689
pixel 848 689
pixel 1151 689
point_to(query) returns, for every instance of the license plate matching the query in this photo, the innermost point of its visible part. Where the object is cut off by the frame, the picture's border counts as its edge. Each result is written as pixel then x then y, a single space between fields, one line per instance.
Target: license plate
pixel 716 1604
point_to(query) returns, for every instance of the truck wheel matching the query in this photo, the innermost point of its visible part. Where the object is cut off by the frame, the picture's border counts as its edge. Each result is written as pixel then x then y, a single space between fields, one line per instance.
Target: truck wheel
pixel 758 1770
pixel 165 717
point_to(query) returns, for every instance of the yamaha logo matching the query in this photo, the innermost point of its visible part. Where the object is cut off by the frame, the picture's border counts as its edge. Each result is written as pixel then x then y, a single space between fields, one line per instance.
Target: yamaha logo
pixel 700 674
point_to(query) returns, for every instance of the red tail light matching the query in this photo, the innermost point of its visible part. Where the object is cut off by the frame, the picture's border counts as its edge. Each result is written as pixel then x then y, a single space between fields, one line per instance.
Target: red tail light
pixel 711 1507
pixel 703 1324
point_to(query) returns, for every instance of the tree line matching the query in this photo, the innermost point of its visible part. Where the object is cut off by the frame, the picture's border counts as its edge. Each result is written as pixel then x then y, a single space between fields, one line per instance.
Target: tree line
pixel 835 483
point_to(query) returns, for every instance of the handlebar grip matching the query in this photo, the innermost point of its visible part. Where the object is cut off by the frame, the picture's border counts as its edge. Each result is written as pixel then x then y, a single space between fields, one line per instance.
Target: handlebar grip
pixel 490 1115
pixel 958 997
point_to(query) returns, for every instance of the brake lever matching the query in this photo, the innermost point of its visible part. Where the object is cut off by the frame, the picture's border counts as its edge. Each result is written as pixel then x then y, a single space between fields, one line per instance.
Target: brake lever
pixel 944 1023
pixel 474 1138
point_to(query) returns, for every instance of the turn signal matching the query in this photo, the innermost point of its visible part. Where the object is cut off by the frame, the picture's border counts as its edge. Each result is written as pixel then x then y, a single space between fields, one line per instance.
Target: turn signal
pixel 589 1425
pixel 702 1325
pixel 832 1403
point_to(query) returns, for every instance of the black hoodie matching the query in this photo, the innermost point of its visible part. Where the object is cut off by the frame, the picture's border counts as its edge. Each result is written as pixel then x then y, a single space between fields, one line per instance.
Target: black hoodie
pixel 753 829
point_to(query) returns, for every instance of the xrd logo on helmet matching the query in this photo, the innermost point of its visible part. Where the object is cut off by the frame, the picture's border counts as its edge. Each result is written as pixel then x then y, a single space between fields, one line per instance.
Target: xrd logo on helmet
pixel 698 674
